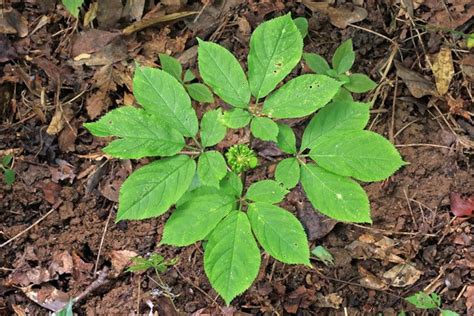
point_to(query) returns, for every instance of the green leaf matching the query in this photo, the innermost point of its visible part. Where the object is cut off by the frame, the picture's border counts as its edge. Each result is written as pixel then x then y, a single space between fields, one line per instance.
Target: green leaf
pixel 360 83
pixel 9 176
pixel 422 300
pixel 301 96
pixel 343 57
pixel 268 191
pixel 165 97
pixel 343 96
pixel 316 63
pixel 470 41
pixel 222 72
pixel 279 232
pixel 288 172
pixel 302 25
pixel 66 311
pixel 323 255
pixel 140 134
pixel 337 197
pixel 172 66
pixel 445 312
pixel 6 160
pixel 152 189
pixel 211 168
pixel 264 128
pixel 212 130
pixel 236 118
pixel 73 6
pixel 364 155
pixel 200 93
pixel 232 258
pixel 286 139
pixel 195 219
pixel 335 116
pixel 436 299
pixel 232 184
pixel 189 76
pixel 275 49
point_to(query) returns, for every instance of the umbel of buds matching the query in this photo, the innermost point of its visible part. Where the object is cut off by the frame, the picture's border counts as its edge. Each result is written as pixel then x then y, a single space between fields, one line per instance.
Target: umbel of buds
pixel 241 158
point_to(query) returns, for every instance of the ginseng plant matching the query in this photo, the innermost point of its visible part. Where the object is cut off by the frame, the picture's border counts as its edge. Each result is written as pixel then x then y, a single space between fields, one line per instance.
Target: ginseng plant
pixel 204 192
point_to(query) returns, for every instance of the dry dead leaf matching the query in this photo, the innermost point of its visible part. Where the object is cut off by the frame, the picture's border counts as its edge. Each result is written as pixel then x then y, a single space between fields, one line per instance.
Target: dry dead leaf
pixel 64 171
pixel 97 103
pixel 12 22
pixel 91 14
pixel 109 12
pixel 19 311
pixel 121 259
pixel 450 14
pixel 61 263
pixel 469 295
pixel 340 16
pixel 51 192
pixel 150 21
pixel 47 296
pixel 331 300
pixel 402 275
pixel 467 65
pixel 456 106
pixel 369 280
pixel 418 85
pixel 443 70
pixel 91 41
pixel 60 118
pixel 368 246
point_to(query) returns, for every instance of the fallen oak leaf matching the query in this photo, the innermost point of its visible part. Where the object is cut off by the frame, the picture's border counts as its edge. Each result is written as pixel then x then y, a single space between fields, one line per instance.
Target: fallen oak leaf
pixel 418 85
pixel 456 106
pixel 341 16
pixel 443 70
pixel 402 275
pixel 140 25
pixel 461 206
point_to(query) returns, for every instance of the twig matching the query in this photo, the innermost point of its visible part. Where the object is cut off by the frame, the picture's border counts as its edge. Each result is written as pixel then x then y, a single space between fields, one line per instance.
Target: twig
pixel 394 233
pixel 101 280
pixel 392 118
pixel 32 225
pixel 213 301
pixel 102 240
pixel 423 145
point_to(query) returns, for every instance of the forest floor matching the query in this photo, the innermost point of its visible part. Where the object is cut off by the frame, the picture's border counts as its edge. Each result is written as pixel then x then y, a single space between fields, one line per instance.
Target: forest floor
pixel 57 72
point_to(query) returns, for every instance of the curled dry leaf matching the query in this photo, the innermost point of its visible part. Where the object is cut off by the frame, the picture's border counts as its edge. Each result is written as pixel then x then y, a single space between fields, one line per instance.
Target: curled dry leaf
pixel 367 246
pixel 402 275
pixel 47 296
pixel 369 279
pixel 12 22
pixel 456 106
pixel 341 16
pixel 469 295
pixel 331 300
pixel 121 259
pixel 443 70
pixel 467 65
pixel 60 118
pixel 418 85
pixel 461 206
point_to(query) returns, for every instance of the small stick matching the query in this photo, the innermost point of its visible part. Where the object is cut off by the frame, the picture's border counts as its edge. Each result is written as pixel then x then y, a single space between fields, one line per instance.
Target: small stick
pixel 102 240
pixel 394 233
pixel 392 118
pixel 101 280
pixel 423 145
pixel 32 225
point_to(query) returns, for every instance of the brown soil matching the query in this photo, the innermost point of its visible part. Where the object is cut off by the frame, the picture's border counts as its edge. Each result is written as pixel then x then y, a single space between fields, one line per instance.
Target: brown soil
pixel 411 210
